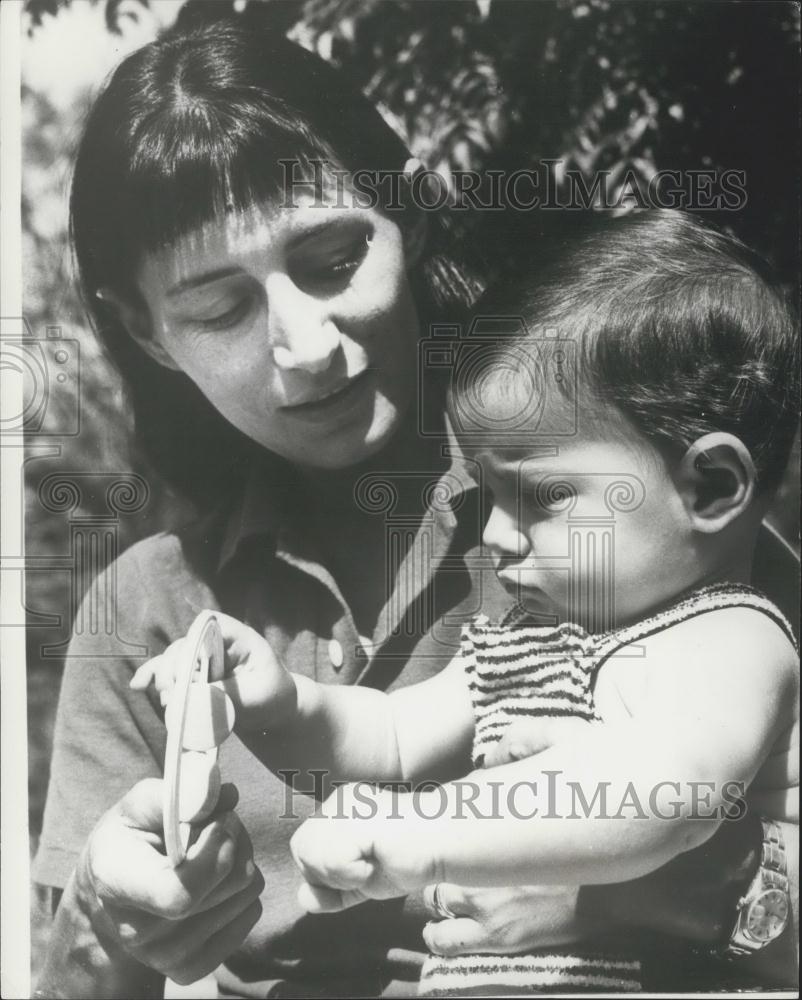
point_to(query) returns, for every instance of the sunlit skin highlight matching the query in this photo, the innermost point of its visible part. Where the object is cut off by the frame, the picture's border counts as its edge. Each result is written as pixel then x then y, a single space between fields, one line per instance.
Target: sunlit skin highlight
pixel 537 494
pixel 298 325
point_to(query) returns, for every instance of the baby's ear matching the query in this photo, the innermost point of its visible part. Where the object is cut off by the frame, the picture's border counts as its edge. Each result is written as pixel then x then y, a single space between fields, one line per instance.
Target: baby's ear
pixel 133 315
pixel 717 480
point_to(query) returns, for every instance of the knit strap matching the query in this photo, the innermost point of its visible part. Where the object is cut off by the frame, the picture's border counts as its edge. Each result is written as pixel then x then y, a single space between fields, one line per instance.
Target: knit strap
pixel 701 602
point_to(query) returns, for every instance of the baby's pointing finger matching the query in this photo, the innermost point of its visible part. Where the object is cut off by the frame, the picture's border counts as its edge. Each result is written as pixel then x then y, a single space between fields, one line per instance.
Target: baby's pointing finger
pixel 160 669
pixel 143 675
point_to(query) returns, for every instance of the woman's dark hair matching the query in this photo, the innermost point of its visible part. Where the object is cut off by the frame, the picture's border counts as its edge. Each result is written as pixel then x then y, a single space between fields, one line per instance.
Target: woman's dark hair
pixel 189 127
pixel 680 327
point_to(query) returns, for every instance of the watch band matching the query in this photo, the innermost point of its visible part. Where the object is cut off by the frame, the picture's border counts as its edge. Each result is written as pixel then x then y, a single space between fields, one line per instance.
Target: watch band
pixel 771 874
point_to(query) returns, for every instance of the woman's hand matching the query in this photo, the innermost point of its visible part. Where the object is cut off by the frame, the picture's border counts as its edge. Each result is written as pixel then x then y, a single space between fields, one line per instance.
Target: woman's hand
pixel 530 736
pixel 503 921
pixel 262 689
pixel 520 918
pixel 363 843
pixel 127 914
pixel 775 790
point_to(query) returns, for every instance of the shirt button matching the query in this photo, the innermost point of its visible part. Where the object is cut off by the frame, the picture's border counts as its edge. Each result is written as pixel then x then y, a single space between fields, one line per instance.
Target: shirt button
pixel 336 654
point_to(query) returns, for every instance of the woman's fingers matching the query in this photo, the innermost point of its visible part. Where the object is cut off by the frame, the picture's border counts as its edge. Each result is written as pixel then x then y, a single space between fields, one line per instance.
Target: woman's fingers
pixel 459 936
pixel 781 769
pixel 181 922
pixel 142 807
pixel 447 895
pixel 218 948
pixel 127 868
pixel 781 804
pixel 130 871
pixel 528 737
pixel 189 950
pixel 179 944
pixel 243 874
pixel 138 930
pixel 503 921
pixel 222 849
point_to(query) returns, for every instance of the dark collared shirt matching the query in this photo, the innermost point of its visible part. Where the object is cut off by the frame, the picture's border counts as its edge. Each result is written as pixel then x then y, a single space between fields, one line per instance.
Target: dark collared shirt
pixel 261 564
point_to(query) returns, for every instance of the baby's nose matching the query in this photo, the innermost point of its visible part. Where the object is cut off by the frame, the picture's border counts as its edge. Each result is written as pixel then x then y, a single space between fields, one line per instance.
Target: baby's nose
pixel 503 536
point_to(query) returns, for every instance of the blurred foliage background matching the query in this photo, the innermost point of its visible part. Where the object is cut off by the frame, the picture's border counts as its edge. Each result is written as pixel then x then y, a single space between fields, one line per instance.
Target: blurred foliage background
pixel 614 85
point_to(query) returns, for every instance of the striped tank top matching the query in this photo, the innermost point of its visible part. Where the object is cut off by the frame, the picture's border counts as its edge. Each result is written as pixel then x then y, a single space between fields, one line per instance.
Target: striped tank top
pixel 518 669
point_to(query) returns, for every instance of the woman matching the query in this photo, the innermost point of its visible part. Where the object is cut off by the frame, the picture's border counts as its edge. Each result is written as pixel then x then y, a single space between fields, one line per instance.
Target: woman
pixel 267 321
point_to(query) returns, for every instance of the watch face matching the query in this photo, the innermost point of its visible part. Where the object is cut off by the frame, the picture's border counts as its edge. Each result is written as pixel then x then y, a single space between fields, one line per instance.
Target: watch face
pixel 767 916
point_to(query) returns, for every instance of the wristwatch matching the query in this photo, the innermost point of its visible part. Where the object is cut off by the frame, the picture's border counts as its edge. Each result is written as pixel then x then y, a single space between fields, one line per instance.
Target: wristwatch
pixel 765 907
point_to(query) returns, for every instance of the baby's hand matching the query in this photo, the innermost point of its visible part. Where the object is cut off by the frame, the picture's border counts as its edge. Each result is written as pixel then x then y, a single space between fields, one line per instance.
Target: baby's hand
pixel 362 844
pixel 261 688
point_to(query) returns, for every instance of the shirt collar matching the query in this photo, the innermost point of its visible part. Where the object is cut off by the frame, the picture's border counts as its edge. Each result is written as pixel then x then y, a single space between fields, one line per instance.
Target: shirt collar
pixel 261 509
pixel 267 504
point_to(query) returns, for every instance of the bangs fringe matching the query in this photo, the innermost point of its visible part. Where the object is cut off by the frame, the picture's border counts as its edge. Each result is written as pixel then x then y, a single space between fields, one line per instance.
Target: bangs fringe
pixel 184 177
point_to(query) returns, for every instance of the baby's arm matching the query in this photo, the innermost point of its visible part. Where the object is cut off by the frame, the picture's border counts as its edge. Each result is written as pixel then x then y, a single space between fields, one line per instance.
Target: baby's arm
pixel 721 689
pixel 360 734
pixel 345 733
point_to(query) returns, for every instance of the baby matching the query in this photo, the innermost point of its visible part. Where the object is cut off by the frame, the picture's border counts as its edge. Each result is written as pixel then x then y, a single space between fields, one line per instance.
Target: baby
pixel 629 432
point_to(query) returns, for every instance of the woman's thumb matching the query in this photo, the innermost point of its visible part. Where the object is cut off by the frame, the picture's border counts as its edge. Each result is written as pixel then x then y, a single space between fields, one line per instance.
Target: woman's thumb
pixel 531 736
pixel 142 807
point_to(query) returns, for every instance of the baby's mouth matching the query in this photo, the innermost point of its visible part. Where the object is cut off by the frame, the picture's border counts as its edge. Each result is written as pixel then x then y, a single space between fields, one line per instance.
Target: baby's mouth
pixel 514 585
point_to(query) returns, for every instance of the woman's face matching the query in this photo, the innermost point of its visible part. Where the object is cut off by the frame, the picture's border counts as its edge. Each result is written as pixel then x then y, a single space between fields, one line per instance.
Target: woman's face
pixel 297 324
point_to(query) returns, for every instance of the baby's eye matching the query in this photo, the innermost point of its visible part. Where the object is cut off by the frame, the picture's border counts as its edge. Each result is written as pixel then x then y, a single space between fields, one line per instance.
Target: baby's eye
pixel 552 495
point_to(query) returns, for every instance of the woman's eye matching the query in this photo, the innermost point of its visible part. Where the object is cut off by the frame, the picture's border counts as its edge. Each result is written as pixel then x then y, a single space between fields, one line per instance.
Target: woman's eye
pixel 345 266
pixel 336 269
pixel 227 318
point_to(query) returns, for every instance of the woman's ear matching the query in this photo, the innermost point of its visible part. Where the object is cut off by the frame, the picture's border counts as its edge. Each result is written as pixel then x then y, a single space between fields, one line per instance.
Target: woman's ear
pixel 133 316
pixel 717 480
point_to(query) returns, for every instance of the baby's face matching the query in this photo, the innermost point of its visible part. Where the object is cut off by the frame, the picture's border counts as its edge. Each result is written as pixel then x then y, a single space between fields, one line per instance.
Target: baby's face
pixel 589 529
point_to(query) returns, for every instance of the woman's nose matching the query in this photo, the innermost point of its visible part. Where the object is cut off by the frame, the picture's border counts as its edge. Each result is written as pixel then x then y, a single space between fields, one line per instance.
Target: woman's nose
pixel 299 336
pixel 503 536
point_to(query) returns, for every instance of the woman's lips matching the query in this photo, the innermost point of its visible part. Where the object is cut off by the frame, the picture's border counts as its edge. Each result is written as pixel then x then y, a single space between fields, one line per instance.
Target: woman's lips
pixel 331 402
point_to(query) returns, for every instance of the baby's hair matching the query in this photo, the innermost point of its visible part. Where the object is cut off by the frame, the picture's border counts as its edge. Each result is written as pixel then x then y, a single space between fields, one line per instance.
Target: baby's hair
pixel 680 327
